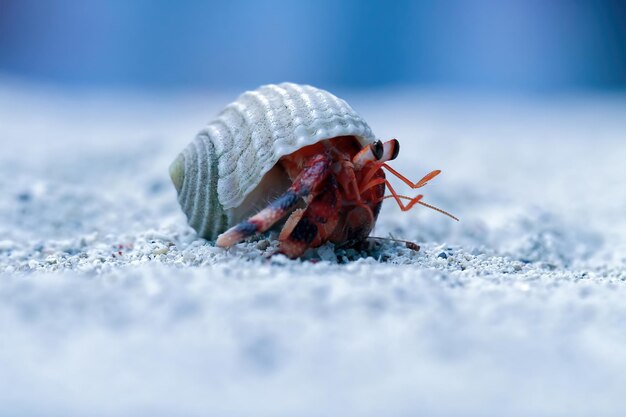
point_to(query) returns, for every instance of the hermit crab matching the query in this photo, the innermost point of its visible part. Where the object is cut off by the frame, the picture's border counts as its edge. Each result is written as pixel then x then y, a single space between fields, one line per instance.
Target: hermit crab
pixel 291 152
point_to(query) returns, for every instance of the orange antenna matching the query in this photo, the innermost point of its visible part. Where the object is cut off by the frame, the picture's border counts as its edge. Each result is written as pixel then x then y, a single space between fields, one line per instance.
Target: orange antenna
pixel 438 209
pixel 422 204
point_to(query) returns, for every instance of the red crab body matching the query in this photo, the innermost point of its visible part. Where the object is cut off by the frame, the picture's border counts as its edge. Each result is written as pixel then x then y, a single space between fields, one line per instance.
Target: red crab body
pixel 342 185
pixel 338 209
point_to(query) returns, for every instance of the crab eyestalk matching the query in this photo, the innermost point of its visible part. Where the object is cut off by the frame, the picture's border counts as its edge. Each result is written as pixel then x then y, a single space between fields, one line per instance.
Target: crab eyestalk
pixel 372 152
pixel 376 152
pixel 391 149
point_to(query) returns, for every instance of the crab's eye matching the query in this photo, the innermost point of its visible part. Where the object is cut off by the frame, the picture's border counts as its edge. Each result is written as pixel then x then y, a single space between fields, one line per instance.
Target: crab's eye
pixel 396 148
pixel 378 149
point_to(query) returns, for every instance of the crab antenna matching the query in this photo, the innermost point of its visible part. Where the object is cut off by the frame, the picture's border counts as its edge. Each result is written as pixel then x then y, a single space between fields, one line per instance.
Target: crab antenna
pixel 404 197
pixel 438 209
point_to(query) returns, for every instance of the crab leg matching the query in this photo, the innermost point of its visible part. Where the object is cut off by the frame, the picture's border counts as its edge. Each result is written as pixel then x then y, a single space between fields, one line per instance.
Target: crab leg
pixel 396 196
pixel 408 182
pixel 312 226
pixel 314 173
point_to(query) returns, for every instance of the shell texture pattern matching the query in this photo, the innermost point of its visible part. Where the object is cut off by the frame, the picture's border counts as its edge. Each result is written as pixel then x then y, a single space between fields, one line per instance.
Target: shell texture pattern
pixel 228 159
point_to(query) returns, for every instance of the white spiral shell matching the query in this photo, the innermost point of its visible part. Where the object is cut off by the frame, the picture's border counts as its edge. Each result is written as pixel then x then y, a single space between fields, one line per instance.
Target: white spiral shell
pixel 217 174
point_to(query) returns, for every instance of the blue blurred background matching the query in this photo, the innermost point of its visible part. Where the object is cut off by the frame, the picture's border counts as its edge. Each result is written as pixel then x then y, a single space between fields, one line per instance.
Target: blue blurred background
pixel 488 45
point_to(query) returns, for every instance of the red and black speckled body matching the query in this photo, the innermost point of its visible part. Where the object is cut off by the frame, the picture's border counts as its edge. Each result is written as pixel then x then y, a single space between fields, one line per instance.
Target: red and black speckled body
pixel 339 210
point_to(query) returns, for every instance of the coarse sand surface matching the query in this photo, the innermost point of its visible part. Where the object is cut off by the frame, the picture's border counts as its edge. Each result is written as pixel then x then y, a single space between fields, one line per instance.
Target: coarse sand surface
pixel 111 306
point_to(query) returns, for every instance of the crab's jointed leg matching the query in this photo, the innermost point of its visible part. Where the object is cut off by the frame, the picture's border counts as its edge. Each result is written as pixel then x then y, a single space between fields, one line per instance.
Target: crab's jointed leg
pixel 313 175
pixel 408 182
pixel 312 226
pixel 397 197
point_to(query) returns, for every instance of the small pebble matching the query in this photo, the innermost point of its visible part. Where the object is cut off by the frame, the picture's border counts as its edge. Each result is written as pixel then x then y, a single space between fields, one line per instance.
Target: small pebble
pixel 263 244
pixel 161 250
pixel 413 246
pixel 327 253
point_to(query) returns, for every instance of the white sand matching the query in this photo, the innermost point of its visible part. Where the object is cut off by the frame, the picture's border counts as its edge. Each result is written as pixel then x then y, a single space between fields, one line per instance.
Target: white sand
pixel 109 305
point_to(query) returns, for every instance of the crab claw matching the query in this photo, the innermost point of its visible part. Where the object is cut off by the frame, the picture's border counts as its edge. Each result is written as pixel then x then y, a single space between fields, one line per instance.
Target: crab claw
pixel 311 227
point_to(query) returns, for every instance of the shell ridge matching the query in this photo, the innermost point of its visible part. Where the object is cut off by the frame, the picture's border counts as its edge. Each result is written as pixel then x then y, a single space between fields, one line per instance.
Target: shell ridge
pixel 199 203
pixel 246 115
pixel 185 195
pixel 234 120
pixel 195 157
pixel 263 136
pixel 229 154
pixel 289 103
pixel 218 131
pixel 342 105
pixel 260 141
pixel 319 106
pixel 207 180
